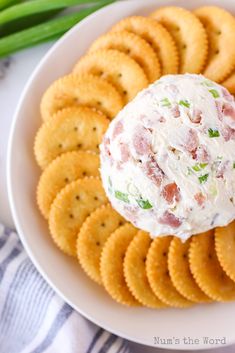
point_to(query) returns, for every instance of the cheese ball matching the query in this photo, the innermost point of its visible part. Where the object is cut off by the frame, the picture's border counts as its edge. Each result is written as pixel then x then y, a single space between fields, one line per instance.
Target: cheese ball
pixel 168 158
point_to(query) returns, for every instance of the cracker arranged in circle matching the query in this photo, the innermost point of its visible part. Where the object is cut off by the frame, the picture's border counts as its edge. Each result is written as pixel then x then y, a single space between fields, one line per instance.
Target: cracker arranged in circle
pixel 71 129
pixel 158 274
pixel 229 83
pixel 63 170
pixel 220 28
pixel 70 209
pixel 135 47
pixel 75 90
pixel 135 271
pixel 181 276
pixel 111 265
pixel 206 269
pixel 157 36
pixel 92 237
pixel 225 248
pixel 115 67
pixel 189 35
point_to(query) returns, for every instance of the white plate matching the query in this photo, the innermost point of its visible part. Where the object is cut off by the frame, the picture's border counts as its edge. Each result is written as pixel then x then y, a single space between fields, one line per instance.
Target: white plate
pixel 64 275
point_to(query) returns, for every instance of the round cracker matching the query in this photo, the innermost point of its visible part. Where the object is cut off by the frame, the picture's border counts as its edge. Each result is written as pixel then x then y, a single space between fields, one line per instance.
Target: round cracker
pixel 180 273
pixel 229 83
pixel 157 36
pixel 225 248
pixel 117 68
pixel 220 27
pixel 92 237
pixel 189 35
pixel 207 270
pixel 70 209
pixel 135 47
pixel 75 90
pixel 71 129
pixel 63 170
pixel 111 265
pixel 135 271
pixel 158 274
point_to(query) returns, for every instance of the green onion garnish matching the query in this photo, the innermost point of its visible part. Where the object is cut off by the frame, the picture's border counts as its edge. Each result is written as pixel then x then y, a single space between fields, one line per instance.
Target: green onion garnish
pixel 213 133
pixel 165 102
pixel 202 179
pixel 184 103
pixel 145 205
pixel 214 93
pixel 122 197
pixel 45 31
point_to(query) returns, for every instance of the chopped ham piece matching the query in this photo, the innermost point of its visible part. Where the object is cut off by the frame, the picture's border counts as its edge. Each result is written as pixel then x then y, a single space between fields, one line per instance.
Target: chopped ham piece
pixel 125 152
pixel 228 110
pixel 227 133
pixel 171 193
pixel 142 141
pixel 153 171
pixel 201 154
pixel 118 129
pixel 196 116
pixel 191 142
pixel 227 95
pixel 106 144
pixel 221 169
pixel 170 220
pixel 200 198
pixel 175 111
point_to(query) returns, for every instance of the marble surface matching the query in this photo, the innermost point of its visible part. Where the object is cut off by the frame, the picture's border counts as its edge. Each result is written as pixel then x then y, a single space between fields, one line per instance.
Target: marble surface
pixel 14 73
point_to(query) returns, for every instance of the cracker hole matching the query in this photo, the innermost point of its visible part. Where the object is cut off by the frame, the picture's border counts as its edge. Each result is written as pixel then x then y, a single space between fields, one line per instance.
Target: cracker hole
pixel 96 198
pixel 84 173
pixel 144 259
pixel 94 128
pixel 60 145
pixel 164 253
pixel 185 255
pixel 120 75
pixel 125 92
pixel 217 52
pixel 79 145
pixel 121 223
pixel 218 32
pixel 167 273
pixel 123 256
pixel 97 243
pixel 66 180
pixel 128 51
pixel 97 146
pixel 75 128
pixel 184 46
pixel 77 197
pixel 103 225
pixel 71 216
pixel 100 73
pixel 210 256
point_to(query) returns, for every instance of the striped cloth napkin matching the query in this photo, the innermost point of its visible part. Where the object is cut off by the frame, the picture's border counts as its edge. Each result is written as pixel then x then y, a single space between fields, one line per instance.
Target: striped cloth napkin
pixel 33 319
